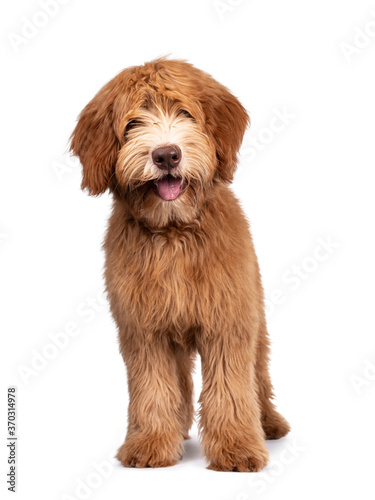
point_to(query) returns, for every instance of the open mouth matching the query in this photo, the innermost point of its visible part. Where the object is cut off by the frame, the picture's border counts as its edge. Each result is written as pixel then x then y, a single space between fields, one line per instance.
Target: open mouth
pixel 169 188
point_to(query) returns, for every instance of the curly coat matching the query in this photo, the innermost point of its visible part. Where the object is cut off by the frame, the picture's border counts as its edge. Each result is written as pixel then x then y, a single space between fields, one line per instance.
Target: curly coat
pixel 182 275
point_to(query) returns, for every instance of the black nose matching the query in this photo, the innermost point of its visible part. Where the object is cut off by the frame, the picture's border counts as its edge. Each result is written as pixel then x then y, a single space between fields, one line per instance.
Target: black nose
pixel 167 157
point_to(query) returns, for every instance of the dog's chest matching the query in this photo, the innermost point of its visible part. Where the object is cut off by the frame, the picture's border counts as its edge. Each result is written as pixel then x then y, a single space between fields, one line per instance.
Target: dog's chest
pixel 169 283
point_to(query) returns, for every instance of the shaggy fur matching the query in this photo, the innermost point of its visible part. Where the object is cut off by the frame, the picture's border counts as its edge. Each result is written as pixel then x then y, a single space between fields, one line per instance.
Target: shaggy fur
pixel 181 272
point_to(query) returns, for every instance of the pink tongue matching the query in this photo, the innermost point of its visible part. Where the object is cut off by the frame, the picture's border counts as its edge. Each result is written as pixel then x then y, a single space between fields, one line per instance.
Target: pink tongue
pixel 169 188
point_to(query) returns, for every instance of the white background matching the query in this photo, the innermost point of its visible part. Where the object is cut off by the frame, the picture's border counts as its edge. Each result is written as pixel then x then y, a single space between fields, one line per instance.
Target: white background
pixel 310 181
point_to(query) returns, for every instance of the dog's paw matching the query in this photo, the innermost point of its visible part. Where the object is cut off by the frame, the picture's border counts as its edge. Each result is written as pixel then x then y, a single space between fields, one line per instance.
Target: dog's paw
pixel 149 451
pixel 239 458
pixel 275 426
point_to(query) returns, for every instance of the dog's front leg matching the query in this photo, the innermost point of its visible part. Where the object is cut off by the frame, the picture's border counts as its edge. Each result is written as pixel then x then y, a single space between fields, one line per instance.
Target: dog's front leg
pixel 230 418
pixel 155 430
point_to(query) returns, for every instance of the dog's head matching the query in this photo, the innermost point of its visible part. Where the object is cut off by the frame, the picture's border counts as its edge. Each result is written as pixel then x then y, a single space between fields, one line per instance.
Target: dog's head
pixel 158 136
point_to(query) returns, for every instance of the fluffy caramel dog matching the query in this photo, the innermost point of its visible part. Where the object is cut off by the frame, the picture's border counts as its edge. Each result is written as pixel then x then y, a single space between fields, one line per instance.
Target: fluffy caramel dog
pixel 181 272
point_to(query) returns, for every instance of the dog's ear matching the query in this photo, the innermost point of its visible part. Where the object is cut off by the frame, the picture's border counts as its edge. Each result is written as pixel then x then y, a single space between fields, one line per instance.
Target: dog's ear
pixel 227 121
pixel 95 143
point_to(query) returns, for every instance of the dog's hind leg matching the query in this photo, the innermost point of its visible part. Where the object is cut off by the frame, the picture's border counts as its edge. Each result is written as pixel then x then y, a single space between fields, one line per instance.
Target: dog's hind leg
pixel 274 425
pixel 185 366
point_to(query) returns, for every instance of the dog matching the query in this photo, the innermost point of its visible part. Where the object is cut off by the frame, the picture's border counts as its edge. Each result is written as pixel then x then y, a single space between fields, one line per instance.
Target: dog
pixel 181 272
